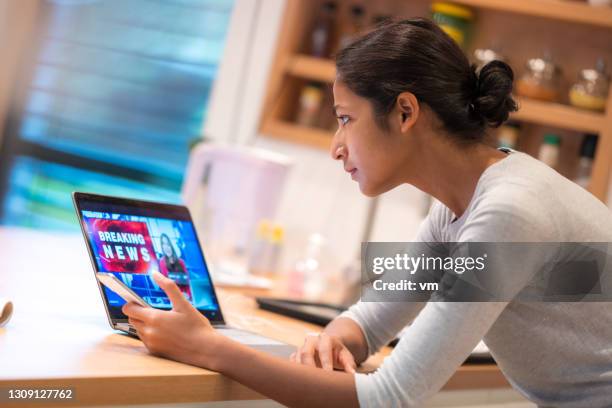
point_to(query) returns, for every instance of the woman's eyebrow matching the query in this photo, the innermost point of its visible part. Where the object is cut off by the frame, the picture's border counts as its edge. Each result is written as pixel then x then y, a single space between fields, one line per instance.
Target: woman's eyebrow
pixel 335 109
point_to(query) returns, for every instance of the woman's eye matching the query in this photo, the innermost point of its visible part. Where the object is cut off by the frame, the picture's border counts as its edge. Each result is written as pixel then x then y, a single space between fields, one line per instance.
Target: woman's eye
pixel 343 119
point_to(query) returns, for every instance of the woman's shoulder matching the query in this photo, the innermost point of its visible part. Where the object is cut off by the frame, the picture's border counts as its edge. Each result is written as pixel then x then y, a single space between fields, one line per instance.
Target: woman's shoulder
pixel 540 207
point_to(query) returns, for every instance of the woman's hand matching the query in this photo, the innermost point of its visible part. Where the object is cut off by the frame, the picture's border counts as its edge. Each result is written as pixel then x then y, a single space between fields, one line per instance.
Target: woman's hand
pixel 180 334
pixel 324 351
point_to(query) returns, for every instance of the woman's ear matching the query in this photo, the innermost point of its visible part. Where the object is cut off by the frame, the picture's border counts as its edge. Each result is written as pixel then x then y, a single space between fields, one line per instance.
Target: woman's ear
pixel 408 107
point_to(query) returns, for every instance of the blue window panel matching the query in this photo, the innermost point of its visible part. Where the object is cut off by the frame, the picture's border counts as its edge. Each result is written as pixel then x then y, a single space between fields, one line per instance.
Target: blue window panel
pixel 39 193
pixel 120 82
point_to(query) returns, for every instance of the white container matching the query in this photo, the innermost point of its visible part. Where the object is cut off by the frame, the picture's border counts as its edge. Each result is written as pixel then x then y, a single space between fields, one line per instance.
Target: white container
pixel 229 189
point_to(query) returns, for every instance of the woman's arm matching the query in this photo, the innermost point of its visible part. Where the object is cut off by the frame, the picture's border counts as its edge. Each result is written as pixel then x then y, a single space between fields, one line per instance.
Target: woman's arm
pixel 183 334
pixel 349 339
pixel 290 384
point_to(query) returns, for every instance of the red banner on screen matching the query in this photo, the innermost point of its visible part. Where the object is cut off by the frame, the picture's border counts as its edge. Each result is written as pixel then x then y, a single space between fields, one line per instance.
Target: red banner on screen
pixel 122 246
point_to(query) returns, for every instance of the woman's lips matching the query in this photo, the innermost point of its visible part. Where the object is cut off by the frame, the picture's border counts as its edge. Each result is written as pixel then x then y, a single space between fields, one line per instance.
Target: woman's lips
pixel 351 170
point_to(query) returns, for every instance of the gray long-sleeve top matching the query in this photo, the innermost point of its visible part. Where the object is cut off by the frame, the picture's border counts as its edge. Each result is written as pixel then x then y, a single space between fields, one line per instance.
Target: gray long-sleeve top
pixel 557 354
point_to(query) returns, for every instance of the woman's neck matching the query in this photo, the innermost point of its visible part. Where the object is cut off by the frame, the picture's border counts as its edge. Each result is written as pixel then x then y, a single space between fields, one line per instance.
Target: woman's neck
pixel 450 173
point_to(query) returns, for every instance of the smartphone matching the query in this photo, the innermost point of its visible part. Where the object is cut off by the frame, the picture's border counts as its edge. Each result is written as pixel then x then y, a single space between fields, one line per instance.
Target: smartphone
pixel 110 281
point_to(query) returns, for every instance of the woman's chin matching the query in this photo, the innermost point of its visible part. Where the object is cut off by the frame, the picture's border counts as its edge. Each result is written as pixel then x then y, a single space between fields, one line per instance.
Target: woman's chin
pixel 368 190
pixel 375 189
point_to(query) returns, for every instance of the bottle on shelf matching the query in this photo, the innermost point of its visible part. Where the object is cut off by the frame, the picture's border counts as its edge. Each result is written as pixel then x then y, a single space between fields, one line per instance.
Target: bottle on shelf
pixel 311 99
pixel 585 163
pixel 323 33
pixel 550 150
pixel 508 134
pixel 355 25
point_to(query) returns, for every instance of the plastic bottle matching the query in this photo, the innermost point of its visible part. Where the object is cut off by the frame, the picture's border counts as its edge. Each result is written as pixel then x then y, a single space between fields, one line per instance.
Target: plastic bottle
pixel 306 279
pixel 323 31
pixel 275 248
pixel 585 163
pixel 259 247
pixel 266 249
pixel 549 151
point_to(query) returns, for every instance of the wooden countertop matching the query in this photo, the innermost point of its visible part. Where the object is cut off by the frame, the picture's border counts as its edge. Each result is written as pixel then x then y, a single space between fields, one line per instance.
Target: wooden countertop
pixel 59 336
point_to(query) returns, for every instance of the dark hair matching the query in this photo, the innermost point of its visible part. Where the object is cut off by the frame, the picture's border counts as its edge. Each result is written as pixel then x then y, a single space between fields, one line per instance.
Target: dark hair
pixel 416 56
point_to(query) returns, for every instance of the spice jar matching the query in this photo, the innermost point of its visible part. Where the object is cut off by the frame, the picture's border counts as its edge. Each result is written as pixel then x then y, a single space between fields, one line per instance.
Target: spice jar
pixel 310 101
pixel 455 20
pixel 541 80
pixel 591 90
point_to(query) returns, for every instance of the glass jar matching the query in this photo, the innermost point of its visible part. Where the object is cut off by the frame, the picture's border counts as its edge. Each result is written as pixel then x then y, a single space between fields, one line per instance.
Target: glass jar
pixel 541 80
pixel 591 90
pixel 485 55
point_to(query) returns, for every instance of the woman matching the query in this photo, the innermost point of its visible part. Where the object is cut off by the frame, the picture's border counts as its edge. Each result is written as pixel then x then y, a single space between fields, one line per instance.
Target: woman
pixel 411 109
pixel 173 267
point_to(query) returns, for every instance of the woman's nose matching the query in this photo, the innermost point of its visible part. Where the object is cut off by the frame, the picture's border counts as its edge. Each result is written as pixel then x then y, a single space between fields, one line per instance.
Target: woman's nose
pixel 339 154
pixel 337 150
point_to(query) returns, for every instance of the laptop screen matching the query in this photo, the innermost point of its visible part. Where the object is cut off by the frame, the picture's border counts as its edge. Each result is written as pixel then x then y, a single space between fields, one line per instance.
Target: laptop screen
pixel 132 239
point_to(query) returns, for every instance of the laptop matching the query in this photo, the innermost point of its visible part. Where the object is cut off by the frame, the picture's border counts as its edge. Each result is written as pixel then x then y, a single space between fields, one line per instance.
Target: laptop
pixel 131 239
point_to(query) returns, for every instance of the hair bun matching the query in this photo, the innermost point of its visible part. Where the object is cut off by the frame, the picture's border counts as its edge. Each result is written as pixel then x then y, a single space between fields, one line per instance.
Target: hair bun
pixel 493 99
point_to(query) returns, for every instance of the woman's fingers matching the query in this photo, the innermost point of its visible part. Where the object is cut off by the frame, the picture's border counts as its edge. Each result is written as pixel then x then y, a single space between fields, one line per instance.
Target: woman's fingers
pixel 325 352
pixel 140 327
pixel 179 302
pixel 322 350
pixel 136 311
pixel 347 361
pixel 306 353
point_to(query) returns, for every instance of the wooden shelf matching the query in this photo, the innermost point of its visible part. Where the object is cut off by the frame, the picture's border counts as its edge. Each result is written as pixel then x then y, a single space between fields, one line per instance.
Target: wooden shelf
pixel 565 10
pixel 316 69
pixel 291 132
pixel 542 113
pixel 560 116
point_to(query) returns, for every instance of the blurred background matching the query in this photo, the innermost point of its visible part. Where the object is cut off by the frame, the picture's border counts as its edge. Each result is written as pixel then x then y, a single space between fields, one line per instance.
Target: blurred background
pixel 105 96
pixel 113 97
